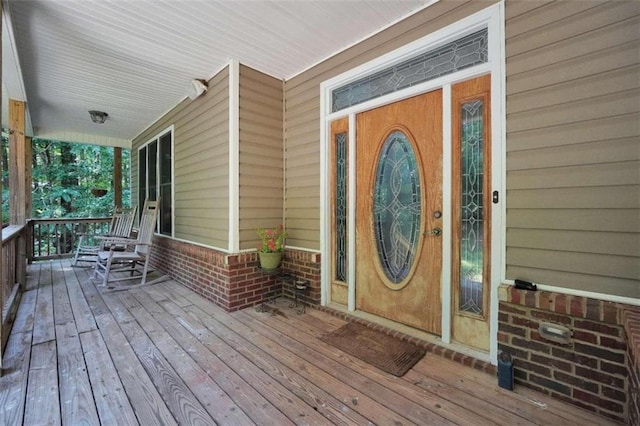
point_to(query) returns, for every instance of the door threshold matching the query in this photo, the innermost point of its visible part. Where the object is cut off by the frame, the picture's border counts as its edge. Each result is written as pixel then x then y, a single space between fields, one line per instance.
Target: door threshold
pixel 457 352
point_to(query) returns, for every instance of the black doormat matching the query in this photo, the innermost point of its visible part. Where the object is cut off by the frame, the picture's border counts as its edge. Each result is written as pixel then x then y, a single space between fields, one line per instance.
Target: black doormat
pixel 388 353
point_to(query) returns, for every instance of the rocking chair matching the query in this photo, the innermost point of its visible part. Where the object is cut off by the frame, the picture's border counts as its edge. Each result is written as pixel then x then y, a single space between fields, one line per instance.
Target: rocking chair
pixel 114 265
pixel 89 244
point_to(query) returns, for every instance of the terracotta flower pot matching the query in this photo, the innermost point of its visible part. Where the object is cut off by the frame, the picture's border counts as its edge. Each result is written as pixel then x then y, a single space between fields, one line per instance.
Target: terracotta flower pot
pixel 269 261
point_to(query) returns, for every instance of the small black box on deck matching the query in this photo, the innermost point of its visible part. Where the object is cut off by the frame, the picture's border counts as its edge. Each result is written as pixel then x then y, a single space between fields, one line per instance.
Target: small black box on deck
pixel 505 371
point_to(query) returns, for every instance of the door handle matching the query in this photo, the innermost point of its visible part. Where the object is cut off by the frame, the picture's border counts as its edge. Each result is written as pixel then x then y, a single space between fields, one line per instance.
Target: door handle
pixel 436 232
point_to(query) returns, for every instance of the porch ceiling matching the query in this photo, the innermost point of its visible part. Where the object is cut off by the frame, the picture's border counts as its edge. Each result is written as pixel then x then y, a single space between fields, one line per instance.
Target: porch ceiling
pixel 135 59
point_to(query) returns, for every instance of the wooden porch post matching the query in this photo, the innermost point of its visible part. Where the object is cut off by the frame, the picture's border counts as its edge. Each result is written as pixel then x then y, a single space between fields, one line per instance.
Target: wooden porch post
pixel 19 192
pixel 17 164
pixel 117 176
pixel 28 197
pixel 28 177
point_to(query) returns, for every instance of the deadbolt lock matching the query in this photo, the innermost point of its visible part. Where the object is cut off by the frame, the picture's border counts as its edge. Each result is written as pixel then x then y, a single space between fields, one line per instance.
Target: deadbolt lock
pixel 437 214
pixel 436 232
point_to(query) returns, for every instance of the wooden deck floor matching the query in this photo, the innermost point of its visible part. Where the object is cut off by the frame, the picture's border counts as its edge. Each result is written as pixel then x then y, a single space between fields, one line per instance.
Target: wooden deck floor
pixel 163 355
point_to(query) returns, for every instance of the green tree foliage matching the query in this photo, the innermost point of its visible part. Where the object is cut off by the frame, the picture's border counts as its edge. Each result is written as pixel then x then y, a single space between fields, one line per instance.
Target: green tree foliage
pixel 64 175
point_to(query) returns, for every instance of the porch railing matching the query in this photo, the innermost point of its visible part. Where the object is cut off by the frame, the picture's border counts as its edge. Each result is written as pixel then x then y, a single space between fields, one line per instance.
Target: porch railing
pixel 14 273
pixel 57 238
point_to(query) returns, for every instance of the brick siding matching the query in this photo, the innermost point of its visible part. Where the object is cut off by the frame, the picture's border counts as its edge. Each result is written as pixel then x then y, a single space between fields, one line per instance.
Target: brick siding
pixel 303 265
pixel 590 371
pixel 233 281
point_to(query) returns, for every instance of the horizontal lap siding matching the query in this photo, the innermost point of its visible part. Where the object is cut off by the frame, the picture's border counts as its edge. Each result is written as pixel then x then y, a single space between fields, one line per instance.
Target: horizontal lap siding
pixel 573 144
pixel 261 164
pixel 201 164
pixel 302 106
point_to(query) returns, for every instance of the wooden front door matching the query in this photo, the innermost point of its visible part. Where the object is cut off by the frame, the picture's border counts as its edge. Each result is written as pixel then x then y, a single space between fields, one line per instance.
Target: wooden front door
pixel 399 211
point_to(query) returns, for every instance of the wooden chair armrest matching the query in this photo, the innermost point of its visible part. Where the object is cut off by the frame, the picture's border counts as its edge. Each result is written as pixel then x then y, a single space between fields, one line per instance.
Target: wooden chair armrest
pixel 117 240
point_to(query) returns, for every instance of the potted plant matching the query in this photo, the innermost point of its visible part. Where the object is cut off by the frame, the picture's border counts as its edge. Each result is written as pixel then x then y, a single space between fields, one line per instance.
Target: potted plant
pixel 99 191
pixel 100 183
pixel 271 247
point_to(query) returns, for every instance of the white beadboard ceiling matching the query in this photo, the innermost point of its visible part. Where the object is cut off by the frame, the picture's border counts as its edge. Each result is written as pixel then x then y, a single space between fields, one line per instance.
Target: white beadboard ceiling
pixel 134 59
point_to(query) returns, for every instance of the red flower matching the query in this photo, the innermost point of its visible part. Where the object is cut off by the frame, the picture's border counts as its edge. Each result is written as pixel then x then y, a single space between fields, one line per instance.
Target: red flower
pixel 273 239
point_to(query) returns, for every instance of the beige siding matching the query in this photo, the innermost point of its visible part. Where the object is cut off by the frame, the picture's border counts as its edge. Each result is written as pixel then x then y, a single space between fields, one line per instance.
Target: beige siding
pixel 573 144
pixel 201 164
pixel 261 164
pixel 302 101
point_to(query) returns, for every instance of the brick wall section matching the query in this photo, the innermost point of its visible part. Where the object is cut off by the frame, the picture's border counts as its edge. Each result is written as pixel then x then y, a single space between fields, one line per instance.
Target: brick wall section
pixel 232 281
pixel 303 265
pixel 631 320
pixel 590 371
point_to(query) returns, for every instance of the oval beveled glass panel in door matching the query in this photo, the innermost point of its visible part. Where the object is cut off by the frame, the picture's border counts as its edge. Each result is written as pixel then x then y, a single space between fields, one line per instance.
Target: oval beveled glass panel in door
pixel 397 207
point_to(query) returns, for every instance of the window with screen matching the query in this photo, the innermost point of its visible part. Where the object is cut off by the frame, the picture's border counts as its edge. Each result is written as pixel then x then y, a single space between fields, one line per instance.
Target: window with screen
pixel 155 178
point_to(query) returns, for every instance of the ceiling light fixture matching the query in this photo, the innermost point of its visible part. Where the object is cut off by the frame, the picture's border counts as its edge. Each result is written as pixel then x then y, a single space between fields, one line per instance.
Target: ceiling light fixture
pixel 98 117
pixel 196 88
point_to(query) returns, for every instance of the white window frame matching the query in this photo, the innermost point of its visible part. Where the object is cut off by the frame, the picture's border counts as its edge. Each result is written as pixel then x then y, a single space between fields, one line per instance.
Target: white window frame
pixel 156 139
pixel 492 18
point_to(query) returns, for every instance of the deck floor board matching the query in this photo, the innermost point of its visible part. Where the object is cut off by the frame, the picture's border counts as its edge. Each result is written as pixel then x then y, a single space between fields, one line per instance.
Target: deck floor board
pixel 81 312
pixel 359 376
pixel 111 401
pixel 42 404
pixel 417 404
pixel 255 405
pixel 43 329
pixel 163 355
pixel 201 385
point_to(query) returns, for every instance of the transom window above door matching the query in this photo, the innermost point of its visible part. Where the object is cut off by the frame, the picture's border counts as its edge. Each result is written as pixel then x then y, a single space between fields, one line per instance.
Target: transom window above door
pixel 465 52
